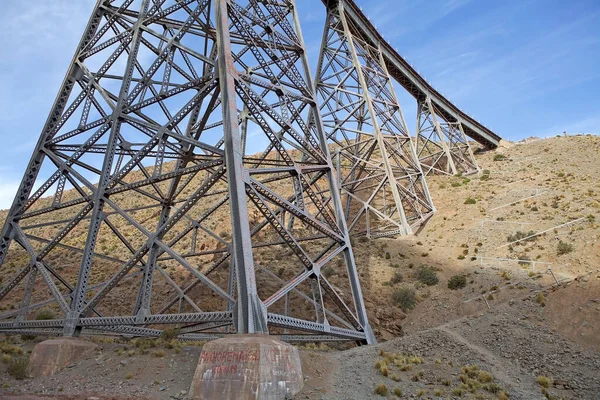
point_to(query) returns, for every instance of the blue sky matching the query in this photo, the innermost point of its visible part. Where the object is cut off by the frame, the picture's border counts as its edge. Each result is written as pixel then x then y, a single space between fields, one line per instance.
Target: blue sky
pixel 522 67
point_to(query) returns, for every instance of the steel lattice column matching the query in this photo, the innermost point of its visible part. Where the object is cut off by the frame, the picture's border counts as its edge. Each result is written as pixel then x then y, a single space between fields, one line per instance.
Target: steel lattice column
pixel 442 147
pixel 184 135
pixel 384 187
pixel 251 317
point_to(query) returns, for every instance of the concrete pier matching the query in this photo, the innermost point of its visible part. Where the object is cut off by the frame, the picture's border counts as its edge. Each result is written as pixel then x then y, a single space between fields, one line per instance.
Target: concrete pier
pixel 247 367
pixel 50 356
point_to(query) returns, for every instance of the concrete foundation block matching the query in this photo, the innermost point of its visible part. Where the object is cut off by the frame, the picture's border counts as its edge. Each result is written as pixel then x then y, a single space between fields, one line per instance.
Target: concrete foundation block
pixel 50 356
pixel 247 367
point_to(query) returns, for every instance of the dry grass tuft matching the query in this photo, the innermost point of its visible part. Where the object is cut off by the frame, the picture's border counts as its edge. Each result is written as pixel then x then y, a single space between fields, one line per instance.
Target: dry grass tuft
pixel 381 390
pixel 540 299
pixel 544 381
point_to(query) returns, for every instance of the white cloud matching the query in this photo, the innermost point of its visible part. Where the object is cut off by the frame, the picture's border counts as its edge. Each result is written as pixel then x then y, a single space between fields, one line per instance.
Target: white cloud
pixel 8 189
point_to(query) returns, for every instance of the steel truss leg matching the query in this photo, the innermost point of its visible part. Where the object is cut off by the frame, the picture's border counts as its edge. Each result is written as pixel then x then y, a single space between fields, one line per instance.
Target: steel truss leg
pixel 78 302
pixel 442 146
pixel 251 315
pixel 362 116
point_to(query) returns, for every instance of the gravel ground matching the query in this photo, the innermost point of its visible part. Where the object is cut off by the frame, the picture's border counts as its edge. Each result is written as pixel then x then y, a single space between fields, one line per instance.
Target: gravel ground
pixel 107 374
pixel 511 342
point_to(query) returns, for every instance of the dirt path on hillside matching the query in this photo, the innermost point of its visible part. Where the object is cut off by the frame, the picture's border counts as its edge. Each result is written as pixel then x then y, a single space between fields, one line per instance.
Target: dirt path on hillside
pixel 503 371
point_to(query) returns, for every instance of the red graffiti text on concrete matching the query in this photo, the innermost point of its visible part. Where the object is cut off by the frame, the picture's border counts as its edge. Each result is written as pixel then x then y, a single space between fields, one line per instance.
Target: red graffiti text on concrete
pixel 229 356
pixel 225 369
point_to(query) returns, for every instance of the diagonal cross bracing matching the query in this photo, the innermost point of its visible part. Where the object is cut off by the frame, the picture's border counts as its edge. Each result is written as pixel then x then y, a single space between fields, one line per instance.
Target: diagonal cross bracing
pixel 442 147
pixel 381 180
pixel 185 137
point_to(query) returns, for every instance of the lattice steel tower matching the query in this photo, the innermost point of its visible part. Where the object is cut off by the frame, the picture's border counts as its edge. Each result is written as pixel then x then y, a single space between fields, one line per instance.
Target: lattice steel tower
pixel 184 135
pixel 380 177
pixel 442 146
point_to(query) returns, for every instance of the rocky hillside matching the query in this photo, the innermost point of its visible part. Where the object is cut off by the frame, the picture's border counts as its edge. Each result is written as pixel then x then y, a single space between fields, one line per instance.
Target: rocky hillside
pixel 531 215
pixel 475 293
pixel 529 220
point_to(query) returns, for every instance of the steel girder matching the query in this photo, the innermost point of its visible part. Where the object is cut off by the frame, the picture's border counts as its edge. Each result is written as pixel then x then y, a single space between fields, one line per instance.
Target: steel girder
pixel 383 185
pixel 442 146
pixel 184 138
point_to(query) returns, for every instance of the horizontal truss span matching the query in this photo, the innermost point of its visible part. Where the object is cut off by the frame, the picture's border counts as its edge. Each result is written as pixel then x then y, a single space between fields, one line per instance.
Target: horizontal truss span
pixel 126 325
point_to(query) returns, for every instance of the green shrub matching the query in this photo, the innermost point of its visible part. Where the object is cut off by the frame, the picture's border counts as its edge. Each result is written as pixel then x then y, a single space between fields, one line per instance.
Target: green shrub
pixel 521 235
pixel 524 260
pixel 540 299
pixel 44 314
pixel 8 348
pixel 17 367
pixel 158 353
pixel 485 377
pixel 470 200
pixel 396 278
pixel 457 282
pixel 544 381
pixel 499 157
pixel 493 388
pixel 427 275
pixel 564 248
pixel 405 298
